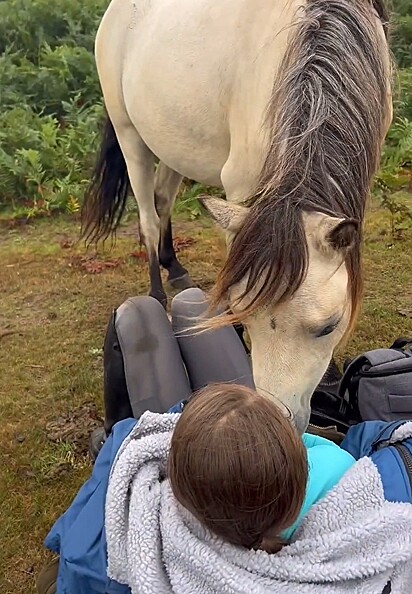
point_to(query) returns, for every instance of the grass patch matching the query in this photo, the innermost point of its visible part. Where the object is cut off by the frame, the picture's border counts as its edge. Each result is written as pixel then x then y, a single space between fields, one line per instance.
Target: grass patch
pixel 54 306
pixel 53 316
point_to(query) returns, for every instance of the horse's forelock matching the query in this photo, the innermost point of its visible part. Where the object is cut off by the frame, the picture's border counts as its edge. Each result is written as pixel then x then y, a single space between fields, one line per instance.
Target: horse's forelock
pixel 269 254
pixel 328 116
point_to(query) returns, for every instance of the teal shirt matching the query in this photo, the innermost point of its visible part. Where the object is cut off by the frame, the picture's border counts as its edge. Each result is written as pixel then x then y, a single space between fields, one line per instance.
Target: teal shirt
pixel 327 464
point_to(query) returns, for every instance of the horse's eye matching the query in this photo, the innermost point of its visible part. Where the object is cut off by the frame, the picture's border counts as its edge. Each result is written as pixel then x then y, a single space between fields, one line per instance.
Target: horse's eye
pixel 327 330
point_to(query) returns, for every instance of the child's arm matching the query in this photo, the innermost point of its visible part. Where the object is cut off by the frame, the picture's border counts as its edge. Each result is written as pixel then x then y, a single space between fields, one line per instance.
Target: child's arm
pixel 362 438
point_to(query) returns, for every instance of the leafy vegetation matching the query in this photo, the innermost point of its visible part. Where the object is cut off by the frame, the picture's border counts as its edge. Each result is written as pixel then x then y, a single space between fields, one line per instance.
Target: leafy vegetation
pixel 402 33
pixel 394 181
pixel 50 103
pixel 51 110
pixel 43 164
pixel 395 177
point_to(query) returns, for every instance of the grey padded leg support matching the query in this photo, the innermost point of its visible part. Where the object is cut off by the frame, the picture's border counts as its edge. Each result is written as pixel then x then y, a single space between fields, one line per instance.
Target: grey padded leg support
pixel 212 356
pixel 155 374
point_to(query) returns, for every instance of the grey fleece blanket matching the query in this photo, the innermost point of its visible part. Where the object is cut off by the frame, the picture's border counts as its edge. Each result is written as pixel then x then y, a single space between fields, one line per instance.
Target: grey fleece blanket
pixel 351 541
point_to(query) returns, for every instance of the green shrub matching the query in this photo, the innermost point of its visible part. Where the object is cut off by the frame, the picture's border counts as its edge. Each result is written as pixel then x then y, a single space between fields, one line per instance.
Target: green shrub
pixel 27 25
pixel 402 7
pixel 401 38
pixel 43 165
pixel 394 180
pixel 402 41
pixel 61 74
pixel 50 102
pixel 403 95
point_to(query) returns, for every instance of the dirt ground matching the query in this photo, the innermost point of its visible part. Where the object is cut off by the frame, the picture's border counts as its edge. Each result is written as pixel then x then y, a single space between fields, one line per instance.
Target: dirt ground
pixel 55 301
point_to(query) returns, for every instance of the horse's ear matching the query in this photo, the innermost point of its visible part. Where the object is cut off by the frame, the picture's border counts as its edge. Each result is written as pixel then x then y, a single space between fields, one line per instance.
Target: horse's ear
pixel 327 232
pixel 227 215
pixel 344 235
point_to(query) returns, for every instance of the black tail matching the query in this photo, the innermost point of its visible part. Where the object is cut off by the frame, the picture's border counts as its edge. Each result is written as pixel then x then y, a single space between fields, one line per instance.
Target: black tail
pixel 105 198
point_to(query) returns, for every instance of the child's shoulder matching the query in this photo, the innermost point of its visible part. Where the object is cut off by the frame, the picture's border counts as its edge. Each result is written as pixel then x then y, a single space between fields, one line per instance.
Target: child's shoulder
pixel 310 441
pixel 327 462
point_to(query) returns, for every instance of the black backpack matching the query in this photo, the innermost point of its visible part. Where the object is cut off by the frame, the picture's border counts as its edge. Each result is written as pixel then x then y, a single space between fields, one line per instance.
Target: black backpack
pixel 376 385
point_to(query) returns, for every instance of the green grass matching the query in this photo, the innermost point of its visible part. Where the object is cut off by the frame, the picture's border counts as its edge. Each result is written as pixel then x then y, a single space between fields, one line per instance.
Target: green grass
pixel 53 315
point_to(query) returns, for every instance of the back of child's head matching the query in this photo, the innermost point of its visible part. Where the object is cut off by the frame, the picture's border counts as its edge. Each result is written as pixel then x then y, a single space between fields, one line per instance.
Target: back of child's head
pixel 238 465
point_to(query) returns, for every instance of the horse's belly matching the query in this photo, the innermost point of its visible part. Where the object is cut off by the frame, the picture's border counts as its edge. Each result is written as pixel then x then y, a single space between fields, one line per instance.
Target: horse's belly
pixel 195 78
pixel 177 137
pixel 175 95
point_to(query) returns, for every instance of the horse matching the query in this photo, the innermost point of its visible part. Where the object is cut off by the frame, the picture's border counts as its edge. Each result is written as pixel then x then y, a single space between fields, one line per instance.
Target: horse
pixel 284 104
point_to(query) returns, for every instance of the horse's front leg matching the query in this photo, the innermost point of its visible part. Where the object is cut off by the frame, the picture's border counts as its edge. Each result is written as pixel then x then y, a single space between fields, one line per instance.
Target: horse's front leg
pixel 140 167
pixel 167 183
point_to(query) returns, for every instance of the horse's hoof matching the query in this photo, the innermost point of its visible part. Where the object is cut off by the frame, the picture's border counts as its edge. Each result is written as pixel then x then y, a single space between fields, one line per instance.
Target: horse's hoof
pixel 181 282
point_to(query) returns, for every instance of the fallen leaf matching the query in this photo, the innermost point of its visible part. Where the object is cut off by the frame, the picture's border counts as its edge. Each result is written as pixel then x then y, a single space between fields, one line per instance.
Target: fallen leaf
pixel 92 264
pixel 75 427
pixel 182 243
pixel 66 243
pixel 58 471
pixel 93 267
pixel 140 255
pixel 26 472
pixel 111 264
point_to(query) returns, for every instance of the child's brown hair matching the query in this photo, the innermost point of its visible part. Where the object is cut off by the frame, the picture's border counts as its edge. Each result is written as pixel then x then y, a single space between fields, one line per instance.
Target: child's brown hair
pixel 238 465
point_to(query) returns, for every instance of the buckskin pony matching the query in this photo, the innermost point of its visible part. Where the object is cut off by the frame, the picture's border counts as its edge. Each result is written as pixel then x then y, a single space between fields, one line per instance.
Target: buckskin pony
pixel 283 103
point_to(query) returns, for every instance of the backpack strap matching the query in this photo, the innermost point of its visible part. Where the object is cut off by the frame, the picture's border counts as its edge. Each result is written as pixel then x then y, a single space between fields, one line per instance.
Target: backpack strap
pixel 401 343
pixel 331 410
pixel 347 389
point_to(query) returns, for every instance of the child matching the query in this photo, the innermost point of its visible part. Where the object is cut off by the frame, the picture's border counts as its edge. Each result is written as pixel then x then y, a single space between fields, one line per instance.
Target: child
pixel 187 511
pixel 182 503
pixel 239 466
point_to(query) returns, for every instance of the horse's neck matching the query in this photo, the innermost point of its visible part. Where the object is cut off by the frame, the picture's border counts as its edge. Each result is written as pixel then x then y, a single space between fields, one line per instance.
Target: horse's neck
pixel 218 61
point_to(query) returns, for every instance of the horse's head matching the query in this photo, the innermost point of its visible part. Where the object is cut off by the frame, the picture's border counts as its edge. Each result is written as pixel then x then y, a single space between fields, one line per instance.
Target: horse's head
pixel 293 273
pixel 303 317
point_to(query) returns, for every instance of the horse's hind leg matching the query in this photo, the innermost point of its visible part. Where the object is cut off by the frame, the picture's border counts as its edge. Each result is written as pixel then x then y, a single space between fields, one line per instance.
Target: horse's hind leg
pixel 140 167
pixel 167 182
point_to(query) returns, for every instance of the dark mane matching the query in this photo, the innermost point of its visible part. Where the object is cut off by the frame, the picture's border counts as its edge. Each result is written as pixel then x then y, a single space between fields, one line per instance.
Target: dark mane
pixel 327 115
